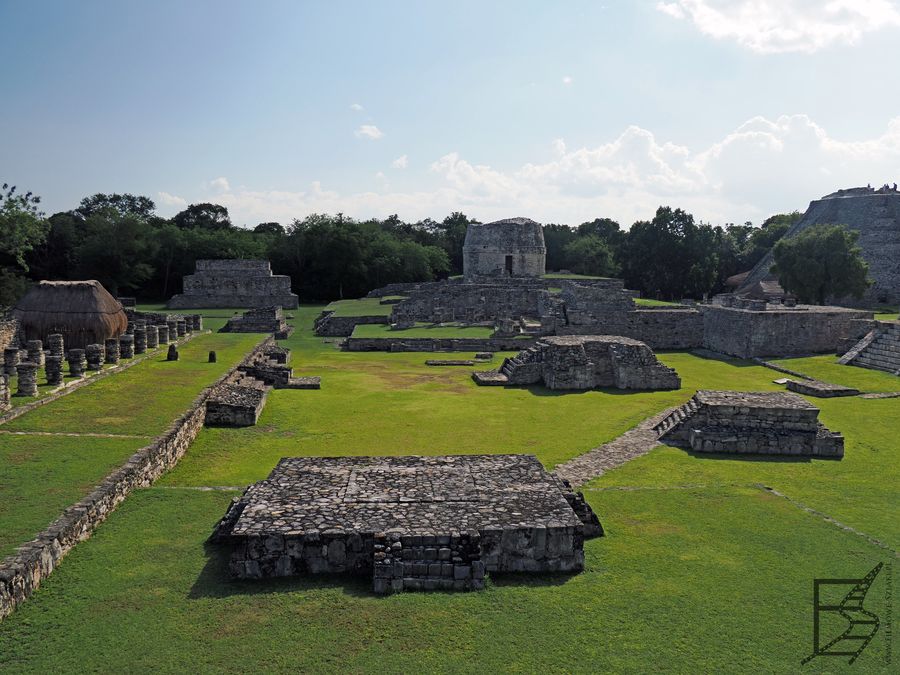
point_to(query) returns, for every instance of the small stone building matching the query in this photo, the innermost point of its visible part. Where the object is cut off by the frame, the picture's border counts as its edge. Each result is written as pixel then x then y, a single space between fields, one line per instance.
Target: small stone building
pixel 83 312
pixel 234 283
pixel 578 362
pixel 759 423
pixel 513 247
pixel 261 320
pixel 410 523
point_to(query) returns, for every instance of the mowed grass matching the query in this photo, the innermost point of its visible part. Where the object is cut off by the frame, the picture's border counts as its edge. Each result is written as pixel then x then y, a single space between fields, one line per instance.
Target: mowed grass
pixel 703 580
pixel 360 307
pixel 422 330
pixel 827 369
pixel 42 475
pixel 702 570
pixel 144 399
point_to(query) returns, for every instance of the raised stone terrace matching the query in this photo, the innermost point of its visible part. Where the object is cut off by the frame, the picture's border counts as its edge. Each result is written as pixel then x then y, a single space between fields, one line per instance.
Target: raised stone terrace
pixel 412 523
pixel 878 350
pixel 577 362
pixel 767 423
pixel 260 320
pixel 234 283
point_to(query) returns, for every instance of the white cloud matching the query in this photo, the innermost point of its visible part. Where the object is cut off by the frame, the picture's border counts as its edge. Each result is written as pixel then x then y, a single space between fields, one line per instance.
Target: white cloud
pixel 400 163
pixel 220 184
pixel 170 200
pixel 763 166
pixel 774 26
pixel 380 175
pixel 357 107
pixel 369 131
pixel 567 79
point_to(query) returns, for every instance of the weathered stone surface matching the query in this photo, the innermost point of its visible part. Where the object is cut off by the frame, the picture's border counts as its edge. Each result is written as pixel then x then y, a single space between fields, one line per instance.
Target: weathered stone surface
pixel 172 354
pixel 9 333
pixel 4 391
pixel 11 358
pixel 820 389
pixel 234 283
pixel 53 369
pixel 152 337
pixel 586 362
pixel 111 350
pixel 879 349
pixel 237 402
pixel 875 214
pixel 27 378
pixel 261 320
pixel 413 523
pixel 769 423
pixel 56 345
pixel 77 362
pixel 513 247
pixel 140 340
pixel 35 349
pixel 126 346
pixel 93 354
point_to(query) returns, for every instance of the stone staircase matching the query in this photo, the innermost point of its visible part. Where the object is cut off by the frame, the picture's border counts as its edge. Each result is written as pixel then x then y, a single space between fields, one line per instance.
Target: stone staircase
pixel 879 350
pixel 524 367
pixel 672 424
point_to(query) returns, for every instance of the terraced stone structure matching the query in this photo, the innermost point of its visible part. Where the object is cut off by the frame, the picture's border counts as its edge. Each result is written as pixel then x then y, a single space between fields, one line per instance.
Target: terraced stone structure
pixel 411 523
pixel 878 350
pixel 262 320
pixel 765 423
pixel 234 283
pixel 578 362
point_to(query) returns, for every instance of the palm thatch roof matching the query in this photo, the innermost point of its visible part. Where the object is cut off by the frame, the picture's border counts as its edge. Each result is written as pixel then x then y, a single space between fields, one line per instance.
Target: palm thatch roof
pixel 82 311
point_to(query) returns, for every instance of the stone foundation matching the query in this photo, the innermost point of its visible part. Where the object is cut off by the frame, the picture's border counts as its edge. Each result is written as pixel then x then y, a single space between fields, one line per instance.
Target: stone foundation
pixel 412 523
pixel 262 320
pixel 766 423
pixel 234 283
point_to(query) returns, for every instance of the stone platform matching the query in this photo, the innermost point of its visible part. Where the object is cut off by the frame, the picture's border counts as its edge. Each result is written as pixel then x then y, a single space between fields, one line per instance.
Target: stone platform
pixel 234 283
pixel 820 389
pixel 578 362
pixel 260 320
pixel 766 423
pixel 412 523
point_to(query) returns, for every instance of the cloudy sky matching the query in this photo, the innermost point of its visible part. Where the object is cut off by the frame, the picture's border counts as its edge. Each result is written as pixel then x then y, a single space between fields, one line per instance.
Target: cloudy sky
pixel 563 112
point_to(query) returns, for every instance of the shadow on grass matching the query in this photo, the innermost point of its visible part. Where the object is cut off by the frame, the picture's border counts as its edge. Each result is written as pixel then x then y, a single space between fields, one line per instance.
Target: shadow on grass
pixel 214 580
pixel 708 355
pixel 746 457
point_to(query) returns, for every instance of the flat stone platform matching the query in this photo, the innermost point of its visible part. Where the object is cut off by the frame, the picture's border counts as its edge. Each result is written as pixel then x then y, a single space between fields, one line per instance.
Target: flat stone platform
pixel 413 523
pixel 820 389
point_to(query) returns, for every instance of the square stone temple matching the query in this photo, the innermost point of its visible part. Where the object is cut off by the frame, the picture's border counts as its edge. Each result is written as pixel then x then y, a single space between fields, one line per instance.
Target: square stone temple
pixel 411 523
pixel 234 283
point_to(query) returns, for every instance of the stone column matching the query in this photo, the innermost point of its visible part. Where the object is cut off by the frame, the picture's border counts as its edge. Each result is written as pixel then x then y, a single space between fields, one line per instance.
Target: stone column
pixel 152 337
pixel 198 321
pixel 126 346
pixel 140 340
pixel 172 355
pixel 94 356
pixel 77 362
pixel 56 345
pixel 27 372
pixel 112 350
pixel 4 391
pixel 173 329
pixel 130 329
pixel 163 332
pixel 10 360
pixel 35 352
pixel 181 327
pixel 53 368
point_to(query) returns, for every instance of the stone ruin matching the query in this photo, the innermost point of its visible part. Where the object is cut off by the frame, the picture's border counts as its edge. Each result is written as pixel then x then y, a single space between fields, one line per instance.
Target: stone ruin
pixel 262 320
pixel 238 401
pixel 410 523
pixel 4 392
pixel 879 349
pixel 513 247
pixel 234 283
pixel 760 423
pixel 579 362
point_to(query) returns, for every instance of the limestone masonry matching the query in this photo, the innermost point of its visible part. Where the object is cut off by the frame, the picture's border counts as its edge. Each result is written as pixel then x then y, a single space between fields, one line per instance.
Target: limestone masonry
pixel 879 349
pixel 875 214
pixel 412 523
pixel 768 423
pixel 585 362
pixel 234 283
pixel 261 320
pixel 506 248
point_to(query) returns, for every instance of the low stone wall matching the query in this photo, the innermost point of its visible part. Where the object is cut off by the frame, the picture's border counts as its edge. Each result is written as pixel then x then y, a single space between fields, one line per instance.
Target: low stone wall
pixel 328 325
pixel 22 573
pixel 658 328
pixel 401 344
pixel 782 332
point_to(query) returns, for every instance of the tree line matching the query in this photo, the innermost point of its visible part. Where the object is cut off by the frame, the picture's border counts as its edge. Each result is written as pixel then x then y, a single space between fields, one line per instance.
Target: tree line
pixel 120 240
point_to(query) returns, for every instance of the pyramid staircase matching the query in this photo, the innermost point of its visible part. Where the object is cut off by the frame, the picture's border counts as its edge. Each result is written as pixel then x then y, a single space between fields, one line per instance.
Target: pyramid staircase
pixel 879 350
pixel 674 422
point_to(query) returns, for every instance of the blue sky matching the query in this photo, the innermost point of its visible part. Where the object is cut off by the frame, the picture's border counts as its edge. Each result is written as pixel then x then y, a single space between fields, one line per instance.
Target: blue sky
pixel 733 109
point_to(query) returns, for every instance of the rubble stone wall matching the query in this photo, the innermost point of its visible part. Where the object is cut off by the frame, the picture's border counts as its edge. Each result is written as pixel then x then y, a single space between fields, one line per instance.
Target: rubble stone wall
pixel 9 330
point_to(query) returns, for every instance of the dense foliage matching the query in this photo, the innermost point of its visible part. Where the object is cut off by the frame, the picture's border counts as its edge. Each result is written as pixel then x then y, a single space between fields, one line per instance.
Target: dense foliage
pixel 121 241
pixel 822 262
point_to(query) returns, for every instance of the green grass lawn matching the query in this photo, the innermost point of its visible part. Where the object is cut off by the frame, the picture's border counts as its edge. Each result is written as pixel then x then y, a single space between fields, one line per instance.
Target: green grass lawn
pixel 828 369
pixel 422 330
pixel 701 569
pixel 650 302
pixel 360 307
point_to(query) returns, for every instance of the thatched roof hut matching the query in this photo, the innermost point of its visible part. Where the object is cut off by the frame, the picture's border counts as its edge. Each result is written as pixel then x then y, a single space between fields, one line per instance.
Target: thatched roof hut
pixel 82 311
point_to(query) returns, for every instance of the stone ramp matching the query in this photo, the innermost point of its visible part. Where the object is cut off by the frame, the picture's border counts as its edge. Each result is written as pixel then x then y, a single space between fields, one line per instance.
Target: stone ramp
pixel 878 350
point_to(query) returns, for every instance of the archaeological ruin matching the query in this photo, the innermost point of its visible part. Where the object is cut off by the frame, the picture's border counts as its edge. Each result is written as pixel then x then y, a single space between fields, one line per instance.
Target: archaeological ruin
pixel 513 247
pixel 234 283
pixel 410 523
pixel 260 320
pixel 763 423
pixel 578 362
pixel 875 214
pixel 879 349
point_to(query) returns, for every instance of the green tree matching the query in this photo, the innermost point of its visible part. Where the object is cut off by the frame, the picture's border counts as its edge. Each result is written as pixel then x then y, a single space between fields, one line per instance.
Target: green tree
pixel 556 239
pixel 117 250
pixel 22 228
pixel 204 216
pixel 591 255
pixel 823 261
pixel 124 204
